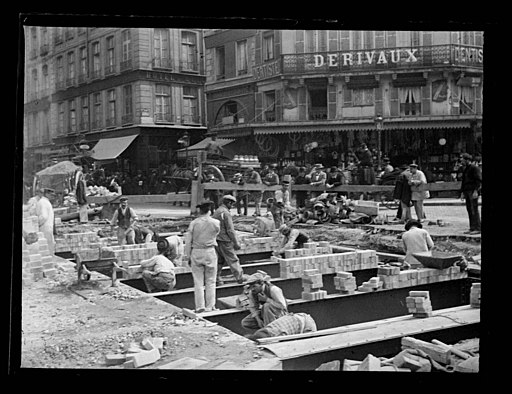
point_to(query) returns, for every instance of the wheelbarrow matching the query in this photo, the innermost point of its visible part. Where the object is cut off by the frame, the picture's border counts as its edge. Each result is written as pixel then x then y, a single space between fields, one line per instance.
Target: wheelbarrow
pixel 438 259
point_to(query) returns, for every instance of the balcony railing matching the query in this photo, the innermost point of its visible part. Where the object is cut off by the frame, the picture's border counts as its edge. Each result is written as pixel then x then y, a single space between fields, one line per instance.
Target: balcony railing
pixel 165 118
pixel 410 109
pixel 110 122
pixel 126 65
pixel 187 118
pixel 127 119
pixel 162 63
pixel 317 113
pixel 189 66
pixel 110 69
pixel 270 116
pixel 96 74
pixel 82 78
pixel 70 82
pixel 375 59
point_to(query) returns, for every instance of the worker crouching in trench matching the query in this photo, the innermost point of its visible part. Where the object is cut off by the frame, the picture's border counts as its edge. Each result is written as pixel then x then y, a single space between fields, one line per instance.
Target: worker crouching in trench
pixel 266 302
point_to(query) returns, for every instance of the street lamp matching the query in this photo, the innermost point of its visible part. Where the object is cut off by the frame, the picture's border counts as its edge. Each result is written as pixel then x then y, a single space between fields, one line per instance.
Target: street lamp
pixel 379 122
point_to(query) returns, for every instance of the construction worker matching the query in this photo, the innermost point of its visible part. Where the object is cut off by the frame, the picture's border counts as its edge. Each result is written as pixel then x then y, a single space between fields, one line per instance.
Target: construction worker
pixel 227 240
pixel 200 242
pixel 266 302
pixel 292 239
pixel 281 202
pixel 270 179
pixel 255 178
pixel 289 324
pixel 158 271
pixel 124 217
pixel 45 215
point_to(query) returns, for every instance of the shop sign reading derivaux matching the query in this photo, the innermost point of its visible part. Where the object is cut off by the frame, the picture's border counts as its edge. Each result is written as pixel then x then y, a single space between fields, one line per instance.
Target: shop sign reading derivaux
pixel 367 57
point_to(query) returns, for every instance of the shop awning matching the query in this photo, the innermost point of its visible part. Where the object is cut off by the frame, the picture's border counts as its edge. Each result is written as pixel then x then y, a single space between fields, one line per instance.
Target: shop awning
pixel 110 148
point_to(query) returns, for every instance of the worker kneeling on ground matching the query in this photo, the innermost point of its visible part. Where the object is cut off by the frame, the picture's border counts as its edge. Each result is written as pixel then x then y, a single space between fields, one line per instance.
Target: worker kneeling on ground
pixel 266 302
pixel 158 271
pixel 292 239
pixel 290 324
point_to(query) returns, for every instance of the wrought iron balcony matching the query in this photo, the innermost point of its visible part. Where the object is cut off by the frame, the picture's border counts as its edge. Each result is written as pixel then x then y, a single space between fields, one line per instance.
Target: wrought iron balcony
pixel 186 118
pixel 410 109
pixel 70 81
pixel 164 117
pixel 270 116
pixel 318 113
pixel 398 58
pixel 96 74
pixel 126 65
pixel 162 63
pixel 189 66
pixel 110 69
pixel 82 78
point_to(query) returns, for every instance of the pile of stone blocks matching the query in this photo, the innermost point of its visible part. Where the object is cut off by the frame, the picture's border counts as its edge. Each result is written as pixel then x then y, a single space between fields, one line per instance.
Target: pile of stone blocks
pixel 418 303
pixel 75 242
pixel 316 256
pixel 312 283
pixel 474 295
pixel 373 284
pixel 393 278
pixel 345 282
pixel 137 355
pixel 250 244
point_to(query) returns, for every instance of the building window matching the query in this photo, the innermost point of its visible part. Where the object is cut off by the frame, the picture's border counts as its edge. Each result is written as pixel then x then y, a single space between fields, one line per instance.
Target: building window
pixel 362 97
pixel 45 47
pixel 315 41
pixel 410 102
pixel 35 123
pixel 220 63
pixel 97 120
pixel 45 126
pixel 268 46
pixel 60 120
pixel 163 103
pixel 127 104
pixel 241 57
pixel 84 116
pixel 96 60
pixel 189 51
pixel 190 107
pixel 111 108
pixel 161 49
pixel 58 35
pixel 270 106
pixel 110 65
pixel 467 100
pixel 362 39
pixel 46 81
pixel 82 71
pixel 70 33
pixel 126 62
pixel 33 42
pixel 71 69
pixel 72 116
pixel 35 88
pixel 60 73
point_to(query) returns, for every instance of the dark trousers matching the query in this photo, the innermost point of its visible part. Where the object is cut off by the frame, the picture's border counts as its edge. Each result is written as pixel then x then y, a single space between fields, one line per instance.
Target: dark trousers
pixel 472 208
pixel 242 201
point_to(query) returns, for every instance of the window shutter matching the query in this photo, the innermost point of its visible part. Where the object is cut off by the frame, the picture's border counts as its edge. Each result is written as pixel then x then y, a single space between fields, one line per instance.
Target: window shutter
pixel 302 103
pixel 322 40
pixel 347 97
pixel 279 105
pixel 379 39
pixel 299 41
pixel 333 40
pixel 391 39
pixel 378 100
pixel 427 38
pixel 479 38
pixel 478 99
pixel 331 101
pixel 259 106
pixel 257 49
pixel 345 40
pixel 425 99
pixel 394 102
pixel 277 43
pixel 454 94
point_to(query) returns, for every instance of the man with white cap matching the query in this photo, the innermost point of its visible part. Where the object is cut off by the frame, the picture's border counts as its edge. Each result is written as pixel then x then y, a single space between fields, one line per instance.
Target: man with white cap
pixel 227 240
pixel 266 302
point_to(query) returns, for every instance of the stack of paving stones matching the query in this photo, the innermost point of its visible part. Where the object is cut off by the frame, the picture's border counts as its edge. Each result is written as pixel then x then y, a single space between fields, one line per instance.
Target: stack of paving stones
pixel 373 284
pixel 312 283
pixel 37 261
pixel 75 242
pixel 418 303
pixel 474 295
pixel 250 244
pixel 345 282
pixel 319 256
pixel 393 278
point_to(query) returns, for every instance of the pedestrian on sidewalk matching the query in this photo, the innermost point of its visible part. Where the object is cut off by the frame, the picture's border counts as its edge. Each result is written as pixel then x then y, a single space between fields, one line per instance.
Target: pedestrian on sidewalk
pixel 158 271
pixel 200 242
pixel 124 218
pixel 402 192
pixel 470 189
pixel 227 240
pixel 415 240
pixel 266 300
pixel 418 181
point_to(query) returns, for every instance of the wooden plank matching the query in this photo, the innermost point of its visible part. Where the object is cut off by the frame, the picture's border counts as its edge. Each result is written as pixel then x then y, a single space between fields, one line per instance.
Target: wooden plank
pixel 246 186
pixel 404 326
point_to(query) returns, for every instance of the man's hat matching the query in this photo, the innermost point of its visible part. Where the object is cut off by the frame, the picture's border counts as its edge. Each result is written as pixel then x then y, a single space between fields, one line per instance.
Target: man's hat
pixel 404 166
pixel 319 166
pixel 228 197
pixel 413 165
pixel 256 277
pixel 273 165
pixel 411 223
pixel 283 228
pixel 385 159
pixel 334 168
pixel 466 156
pixel 203 203
pixel 287 179
pixel 250 169
pixel 123 199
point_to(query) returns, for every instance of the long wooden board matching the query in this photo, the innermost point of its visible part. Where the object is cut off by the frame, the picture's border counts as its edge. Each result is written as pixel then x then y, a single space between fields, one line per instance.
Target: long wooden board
pixel 385 329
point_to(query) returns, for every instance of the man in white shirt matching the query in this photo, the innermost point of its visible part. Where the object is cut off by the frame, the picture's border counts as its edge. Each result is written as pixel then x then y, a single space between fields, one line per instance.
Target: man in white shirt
pixel 158 271
pixel 124 217
pixel 415 239
pixel 45 216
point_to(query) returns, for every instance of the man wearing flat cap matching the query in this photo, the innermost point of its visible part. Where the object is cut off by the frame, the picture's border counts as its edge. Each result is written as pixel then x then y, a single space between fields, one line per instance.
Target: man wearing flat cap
pixel 470 188
pixel 124 218
pixel 266 302
pixel 227 240
pixel 200 242
pixel 318 178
